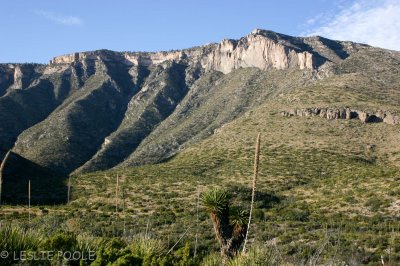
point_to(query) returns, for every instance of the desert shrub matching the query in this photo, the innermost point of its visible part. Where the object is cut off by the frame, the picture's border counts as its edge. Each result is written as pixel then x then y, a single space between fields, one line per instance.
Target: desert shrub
pixel 374 203
pixel 183 256
pixel 147 248
pixel 112 251
pixel 86 242
pixel 213 259
pixel 61 241
pixel 141 251
pixel 165 216
pixel 257 255
pixel 258 214
pixel 294 214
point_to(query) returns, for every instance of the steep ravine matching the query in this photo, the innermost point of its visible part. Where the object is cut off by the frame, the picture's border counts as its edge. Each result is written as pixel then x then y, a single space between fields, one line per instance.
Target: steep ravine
pixel 166 86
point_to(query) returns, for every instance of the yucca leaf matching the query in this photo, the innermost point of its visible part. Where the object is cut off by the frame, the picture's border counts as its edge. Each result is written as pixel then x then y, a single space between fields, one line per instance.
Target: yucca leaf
pixel 238 216
pixel 215 200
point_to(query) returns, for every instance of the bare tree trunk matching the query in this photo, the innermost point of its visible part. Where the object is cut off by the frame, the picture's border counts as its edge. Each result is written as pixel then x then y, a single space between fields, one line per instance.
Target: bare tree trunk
pixel 3 163
pixel 253 194
pixel 225 255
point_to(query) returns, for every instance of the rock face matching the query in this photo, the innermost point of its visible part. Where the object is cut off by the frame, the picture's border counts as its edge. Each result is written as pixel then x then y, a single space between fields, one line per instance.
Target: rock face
pixel 261 49
pixel 346 113
pixel 256 50
pixel 17 76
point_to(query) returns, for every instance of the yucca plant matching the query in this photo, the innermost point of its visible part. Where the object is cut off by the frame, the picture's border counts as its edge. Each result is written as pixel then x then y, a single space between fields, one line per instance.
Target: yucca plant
pixel 86 242
pixel 230 224
pixel 215 201
pixel 14 239
pixel 147 247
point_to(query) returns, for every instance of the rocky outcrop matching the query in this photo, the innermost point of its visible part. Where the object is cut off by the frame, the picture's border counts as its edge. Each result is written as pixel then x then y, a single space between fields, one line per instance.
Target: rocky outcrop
pixel 6 78
pixel 346 113
pixel 16 76
pixel 256 50
pixel 261 49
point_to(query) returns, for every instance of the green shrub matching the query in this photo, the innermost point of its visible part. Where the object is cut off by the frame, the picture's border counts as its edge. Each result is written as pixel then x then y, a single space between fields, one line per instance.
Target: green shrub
pixel 111 251
pixel 258 214
pixel 213 259
pixel 294 214
pixel 61 241
pixel 182 256
pixel 374 203
pixel 257 255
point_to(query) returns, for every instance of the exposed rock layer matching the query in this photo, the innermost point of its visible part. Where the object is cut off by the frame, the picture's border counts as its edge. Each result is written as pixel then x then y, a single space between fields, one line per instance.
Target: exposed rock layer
pixel 346 113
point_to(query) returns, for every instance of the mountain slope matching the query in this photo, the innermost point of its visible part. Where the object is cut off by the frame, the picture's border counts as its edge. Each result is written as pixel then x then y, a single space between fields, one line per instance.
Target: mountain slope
pixel 96 110
pixel 210 107
pixel 74 131
pixel 173 124
pixel 156 100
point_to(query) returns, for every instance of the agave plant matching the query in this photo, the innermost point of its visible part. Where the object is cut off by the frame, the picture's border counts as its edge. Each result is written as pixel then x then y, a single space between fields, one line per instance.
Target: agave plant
pixel 230 224
pixel 147 247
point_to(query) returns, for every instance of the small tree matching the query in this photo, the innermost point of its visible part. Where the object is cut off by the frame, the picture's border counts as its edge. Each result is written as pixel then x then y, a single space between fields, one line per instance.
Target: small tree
pixel 230 223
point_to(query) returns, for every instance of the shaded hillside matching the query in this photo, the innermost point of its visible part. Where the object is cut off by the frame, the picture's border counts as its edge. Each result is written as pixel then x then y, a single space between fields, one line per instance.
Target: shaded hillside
pixel 47 187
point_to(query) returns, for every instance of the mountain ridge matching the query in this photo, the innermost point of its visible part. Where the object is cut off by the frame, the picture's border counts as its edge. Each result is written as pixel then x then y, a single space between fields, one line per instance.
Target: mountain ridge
pixel 303 44
pixel 100 109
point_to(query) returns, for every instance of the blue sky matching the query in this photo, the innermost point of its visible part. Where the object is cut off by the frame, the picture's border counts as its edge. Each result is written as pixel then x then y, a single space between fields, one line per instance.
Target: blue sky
pixel 36 31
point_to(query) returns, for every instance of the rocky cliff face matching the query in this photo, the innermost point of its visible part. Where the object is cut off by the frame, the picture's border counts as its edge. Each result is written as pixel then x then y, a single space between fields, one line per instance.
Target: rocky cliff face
pixel 256 50
pixel 17 76
pixel 346 113
pixel 96 110
pixel 261 49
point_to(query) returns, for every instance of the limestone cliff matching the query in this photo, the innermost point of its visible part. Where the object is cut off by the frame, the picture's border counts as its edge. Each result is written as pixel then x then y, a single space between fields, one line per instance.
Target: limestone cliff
pixel 261 49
